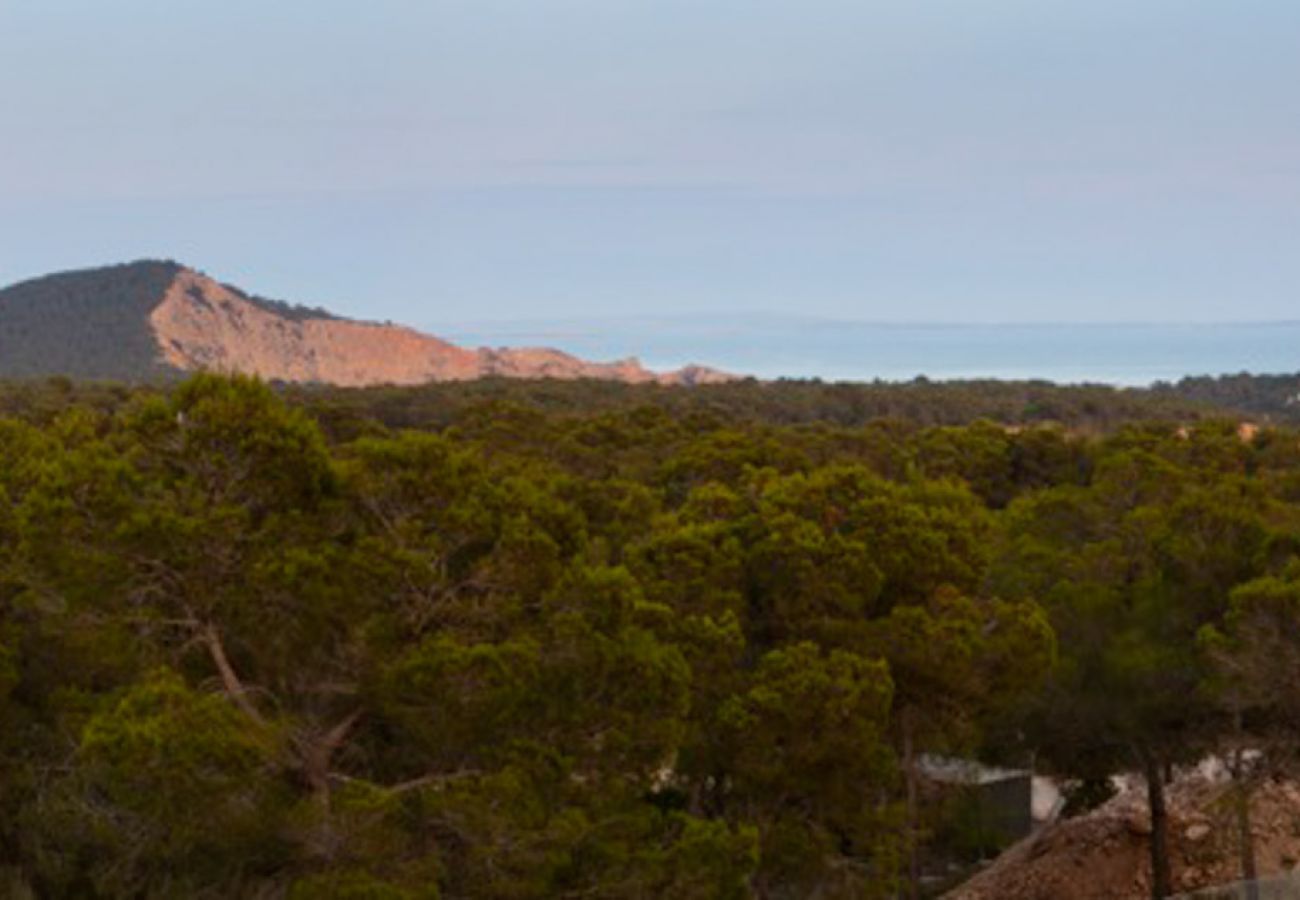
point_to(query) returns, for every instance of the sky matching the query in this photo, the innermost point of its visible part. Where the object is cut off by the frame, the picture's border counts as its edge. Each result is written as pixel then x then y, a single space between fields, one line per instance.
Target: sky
pixel 436 161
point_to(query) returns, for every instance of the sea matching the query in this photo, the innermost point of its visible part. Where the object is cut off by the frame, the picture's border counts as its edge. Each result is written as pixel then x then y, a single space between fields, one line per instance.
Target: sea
pixel 774 347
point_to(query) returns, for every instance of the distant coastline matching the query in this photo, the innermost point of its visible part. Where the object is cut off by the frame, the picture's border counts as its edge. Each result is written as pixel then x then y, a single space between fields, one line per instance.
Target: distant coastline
pixel 767 346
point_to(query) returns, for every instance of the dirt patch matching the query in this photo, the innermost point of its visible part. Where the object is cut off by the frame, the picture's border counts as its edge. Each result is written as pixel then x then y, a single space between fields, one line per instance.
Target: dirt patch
pixel 1104 855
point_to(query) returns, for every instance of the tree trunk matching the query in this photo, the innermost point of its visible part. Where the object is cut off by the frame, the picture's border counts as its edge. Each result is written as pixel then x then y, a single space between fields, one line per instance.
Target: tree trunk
pixel 1161 878
pixel 909 775
pixel 317 753
pixel 1248 870
pixel 1246 840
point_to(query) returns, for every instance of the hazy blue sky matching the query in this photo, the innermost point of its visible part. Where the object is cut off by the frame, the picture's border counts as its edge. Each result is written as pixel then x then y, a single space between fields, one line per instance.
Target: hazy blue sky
pixel 429 161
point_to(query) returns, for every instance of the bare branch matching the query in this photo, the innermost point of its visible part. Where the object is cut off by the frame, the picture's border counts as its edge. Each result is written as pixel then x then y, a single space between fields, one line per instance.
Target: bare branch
pixel 229 678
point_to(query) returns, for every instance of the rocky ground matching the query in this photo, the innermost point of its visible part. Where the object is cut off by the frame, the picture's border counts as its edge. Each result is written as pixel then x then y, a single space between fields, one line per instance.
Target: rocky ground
pixel 1104 855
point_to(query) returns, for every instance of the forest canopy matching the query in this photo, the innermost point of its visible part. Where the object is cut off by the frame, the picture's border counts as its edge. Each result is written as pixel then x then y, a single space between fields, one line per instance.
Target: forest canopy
pixel 547 640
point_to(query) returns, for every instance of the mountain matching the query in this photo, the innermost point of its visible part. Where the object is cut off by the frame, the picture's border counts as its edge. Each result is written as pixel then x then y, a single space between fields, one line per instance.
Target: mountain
pixel 153 319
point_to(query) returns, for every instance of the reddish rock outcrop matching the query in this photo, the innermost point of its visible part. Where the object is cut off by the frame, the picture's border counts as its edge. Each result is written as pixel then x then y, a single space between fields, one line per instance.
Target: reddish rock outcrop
pixel 200 324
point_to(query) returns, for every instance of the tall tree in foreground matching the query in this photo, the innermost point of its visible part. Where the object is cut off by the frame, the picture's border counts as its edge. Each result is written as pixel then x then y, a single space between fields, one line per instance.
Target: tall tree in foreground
pixel 1254 658
pixel 1129 570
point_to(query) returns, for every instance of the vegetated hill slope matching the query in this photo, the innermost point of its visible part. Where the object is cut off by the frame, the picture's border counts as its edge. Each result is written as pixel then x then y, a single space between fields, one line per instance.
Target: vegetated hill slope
pixel 89 324
pixel 148 320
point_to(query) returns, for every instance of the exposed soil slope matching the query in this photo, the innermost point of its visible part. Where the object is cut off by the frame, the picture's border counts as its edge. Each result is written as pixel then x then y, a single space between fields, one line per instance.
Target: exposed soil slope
pixel 137 321
pixel 1104 855
pixel 204 325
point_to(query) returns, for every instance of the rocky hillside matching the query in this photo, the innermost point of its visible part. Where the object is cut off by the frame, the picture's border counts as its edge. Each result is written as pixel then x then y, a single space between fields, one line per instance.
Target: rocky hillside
pixel 153 319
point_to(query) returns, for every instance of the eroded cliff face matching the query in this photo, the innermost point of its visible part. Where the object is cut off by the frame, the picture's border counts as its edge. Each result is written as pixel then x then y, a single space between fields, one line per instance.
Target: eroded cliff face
pixel 200 324
pixel 203 325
